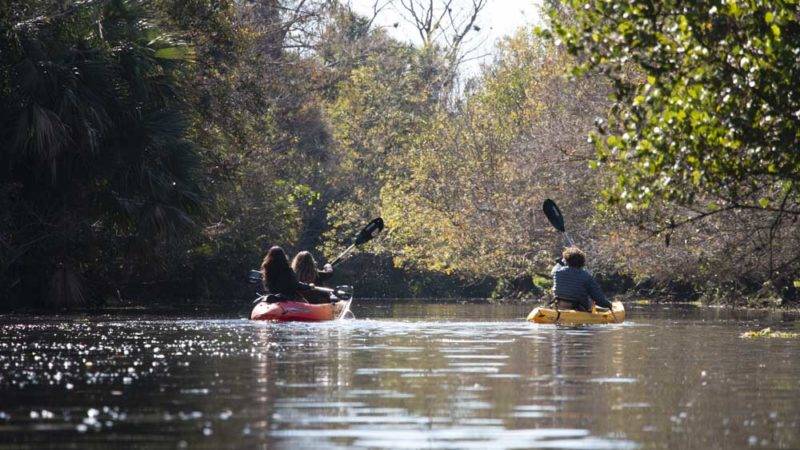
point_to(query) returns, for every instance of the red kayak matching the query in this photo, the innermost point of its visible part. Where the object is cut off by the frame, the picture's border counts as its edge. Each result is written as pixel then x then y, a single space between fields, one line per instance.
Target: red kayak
pixel 299 311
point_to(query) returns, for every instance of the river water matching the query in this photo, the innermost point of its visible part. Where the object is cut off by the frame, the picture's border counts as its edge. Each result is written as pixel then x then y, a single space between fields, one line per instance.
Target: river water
pixel 401 376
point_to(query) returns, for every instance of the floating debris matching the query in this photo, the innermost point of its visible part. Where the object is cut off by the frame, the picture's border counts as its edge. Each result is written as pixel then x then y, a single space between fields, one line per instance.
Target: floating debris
pixel 768 333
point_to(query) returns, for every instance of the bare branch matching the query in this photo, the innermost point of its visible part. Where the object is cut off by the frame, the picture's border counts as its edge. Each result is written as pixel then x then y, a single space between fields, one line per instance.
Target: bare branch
pixel 377 7
pixel 438 22
pixel 74 8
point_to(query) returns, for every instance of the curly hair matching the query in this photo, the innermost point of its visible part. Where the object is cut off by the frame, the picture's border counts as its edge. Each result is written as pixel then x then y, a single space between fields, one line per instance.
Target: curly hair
pixel 574 257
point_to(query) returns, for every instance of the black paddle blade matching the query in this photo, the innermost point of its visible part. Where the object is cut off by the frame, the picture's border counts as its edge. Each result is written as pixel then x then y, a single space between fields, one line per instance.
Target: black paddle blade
pixel 370 231
pixel 553 214
pixel 254 277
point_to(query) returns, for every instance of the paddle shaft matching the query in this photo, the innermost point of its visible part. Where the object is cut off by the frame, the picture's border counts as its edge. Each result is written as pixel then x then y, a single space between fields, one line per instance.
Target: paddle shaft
pixel 322 289
pixel 338 259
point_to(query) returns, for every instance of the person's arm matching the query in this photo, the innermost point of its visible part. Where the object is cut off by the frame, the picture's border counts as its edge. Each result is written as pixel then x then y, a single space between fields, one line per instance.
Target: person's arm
pixel 325 274
pixel 597 294
pixel 555 269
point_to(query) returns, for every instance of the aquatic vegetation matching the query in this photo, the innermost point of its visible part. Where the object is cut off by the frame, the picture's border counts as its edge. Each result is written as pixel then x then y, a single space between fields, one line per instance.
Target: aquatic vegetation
pixel 769 333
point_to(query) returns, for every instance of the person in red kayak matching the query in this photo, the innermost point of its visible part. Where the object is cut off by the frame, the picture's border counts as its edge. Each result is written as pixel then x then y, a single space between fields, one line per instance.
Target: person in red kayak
pixel 574 287
pixel 305 268
pixel 278 277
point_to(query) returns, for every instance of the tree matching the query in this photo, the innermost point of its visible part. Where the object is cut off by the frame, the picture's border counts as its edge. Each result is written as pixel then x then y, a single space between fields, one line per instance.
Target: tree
pixel 96 168
pixel 705 116
pixel 477 175
pixel 375 117
pixel 445 29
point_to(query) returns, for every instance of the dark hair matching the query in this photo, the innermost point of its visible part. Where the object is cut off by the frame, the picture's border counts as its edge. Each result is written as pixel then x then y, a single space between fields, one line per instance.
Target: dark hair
pixel 276 274
pixel 305 267
pixel 574 257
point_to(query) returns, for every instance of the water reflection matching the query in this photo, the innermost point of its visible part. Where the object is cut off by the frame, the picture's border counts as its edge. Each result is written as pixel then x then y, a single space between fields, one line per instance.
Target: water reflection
pixel 476 376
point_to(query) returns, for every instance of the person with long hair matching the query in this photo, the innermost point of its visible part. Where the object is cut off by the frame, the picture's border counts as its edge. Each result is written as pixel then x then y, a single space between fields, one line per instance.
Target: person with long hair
pixel 305 269
pixel 279 278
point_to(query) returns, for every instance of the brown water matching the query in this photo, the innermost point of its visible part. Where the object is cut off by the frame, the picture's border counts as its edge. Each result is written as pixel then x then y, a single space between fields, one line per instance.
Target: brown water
pixel 408 376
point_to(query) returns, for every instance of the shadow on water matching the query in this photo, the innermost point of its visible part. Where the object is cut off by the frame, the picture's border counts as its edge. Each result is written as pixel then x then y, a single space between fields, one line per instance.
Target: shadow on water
pixel 401 376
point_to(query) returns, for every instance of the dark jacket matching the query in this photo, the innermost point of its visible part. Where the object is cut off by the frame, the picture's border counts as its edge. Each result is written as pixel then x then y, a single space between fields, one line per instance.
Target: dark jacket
pixel 312 296
pixel 286 286
pixel 578 287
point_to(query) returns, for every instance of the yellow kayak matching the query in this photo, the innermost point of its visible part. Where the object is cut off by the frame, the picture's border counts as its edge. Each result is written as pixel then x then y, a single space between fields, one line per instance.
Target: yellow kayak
pixel 572 317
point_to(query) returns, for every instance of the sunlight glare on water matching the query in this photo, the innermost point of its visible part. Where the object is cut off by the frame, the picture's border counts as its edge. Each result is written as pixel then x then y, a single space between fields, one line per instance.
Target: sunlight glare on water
pixel 400 376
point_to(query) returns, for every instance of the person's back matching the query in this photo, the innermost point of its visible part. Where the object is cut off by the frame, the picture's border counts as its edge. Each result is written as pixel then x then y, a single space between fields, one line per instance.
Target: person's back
pixel 305 268
pixel 573 285
pixel 278 277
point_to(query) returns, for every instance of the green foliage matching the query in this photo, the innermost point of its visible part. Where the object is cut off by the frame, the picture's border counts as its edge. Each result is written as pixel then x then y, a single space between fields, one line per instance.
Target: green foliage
pixel 544 283
pixel 375 119
pixel 704 130
pixel 96 163
pixel 705 104
pixel 300 121
pixel 257 117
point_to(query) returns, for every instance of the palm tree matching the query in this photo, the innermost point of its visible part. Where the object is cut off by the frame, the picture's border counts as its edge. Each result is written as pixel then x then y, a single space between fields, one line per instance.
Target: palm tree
pixel 95 164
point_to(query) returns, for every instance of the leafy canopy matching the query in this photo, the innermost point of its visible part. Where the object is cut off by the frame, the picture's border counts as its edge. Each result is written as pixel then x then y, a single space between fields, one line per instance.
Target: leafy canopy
pixel 96 164
pixel 706 99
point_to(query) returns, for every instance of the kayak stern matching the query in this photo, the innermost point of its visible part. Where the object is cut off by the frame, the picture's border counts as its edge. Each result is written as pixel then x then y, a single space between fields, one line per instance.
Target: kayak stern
pixel 573 317
pixel 298 311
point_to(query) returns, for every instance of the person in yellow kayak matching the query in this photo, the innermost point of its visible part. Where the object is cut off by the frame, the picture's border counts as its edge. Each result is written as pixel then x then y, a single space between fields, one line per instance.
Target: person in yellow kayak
pixel 305 268
pixel 574 287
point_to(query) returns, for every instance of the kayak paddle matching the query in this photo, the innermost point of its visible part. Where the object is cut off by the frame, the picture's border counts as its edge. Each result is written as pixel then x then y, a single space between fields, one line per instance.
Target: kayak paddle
pixel 556 219
pixel 343 292
pixel 365 235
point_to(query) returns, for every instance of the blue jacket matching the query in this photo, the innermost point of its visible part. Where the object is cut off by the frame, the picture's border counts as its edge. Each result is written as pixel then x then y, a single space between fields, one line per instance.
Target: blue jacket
pixel 577 286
